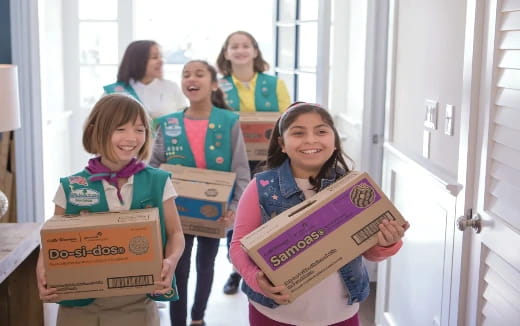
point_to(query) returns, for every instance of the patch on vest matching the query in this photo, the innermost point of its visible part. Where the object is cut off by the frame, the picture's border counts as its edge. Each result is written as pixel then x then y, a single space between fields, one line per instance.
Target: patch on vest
pixel 225 85
pixel 84 197
pixel 172 130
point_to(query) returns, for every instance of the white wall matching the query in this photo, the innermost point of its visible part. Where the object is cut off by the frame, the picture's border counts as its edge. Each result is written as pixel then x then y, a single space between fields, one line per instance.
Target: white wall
pixel 429 56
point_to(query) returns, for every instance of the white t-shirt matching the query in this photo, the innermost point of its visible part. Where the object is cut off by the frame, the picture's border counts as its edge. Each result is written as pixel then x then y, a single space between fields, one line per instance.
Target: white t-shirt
pixel 327 298
pixel 127 192
pixel 160 96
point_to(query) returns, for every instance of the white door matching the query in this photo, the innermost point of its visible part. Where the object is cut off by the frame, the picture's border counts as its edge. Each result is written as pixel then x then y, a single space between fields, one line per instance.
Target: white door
pixel 443 276
pixel 490 278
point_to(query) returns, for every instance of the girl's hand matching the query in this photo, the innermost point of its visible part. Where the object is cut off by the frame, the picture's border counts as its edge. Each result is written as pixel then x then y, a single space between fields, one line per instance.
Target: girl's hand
pixel 390 232
pixel 46 294
pixel 228 219
pixel 165 284
pixel 279 293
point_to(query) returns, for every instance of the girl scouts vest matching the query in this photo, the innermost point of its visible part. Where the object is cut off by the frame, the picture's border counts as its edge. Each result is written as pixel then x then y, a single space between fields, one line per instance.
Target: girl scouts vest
pixel 148 192
pixel 121 87
pixel 266 99
pixel 217 146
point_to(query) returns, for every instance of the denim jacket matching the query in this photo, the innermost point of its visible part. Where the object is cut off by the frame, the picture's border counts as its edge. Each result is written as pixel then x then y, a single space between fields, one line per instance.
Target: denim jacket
pixel 279 183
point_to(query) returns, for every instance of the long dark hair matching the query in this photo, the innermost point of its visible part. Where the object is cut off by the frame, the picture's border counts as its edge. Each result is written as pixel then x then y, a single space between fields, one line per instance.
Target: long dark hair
pixel 224 65
pixel 134 62
pixel 217 96
pixel 275 157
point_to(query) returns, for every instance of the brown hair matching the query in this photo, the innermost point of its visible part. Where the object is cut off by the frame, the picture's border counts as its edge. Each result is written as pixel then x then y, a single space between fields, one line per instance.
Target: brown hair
pixel 134 62
pixel 275 156
pixel 217 96
pixel 224 65
pixel 109 113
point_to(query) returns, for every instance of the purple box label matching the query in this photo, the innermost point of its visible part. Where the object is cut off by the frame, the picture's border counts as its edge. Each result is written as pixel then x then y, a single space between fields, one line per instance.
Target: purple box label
pixel 317 225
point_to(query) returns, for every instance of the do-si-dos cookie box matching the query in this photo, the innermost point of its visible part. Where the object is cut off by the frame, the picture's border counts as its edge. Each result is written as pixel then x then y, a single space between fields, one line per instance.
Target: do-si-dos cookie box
pixel 103 254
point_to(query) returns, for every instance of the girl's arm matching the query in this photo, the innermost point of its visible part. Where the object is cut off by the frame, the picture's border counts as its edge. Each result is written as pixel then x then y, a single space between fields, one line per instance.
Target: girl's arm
pixel 158 155
pixel 248 218
pixel 239 164
pixel 174 245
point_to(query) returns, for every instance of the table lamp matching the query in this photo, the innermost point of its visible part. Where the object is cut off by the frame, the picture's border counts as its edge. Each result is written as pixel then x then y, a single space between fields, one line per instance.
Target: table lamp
pixel 9 111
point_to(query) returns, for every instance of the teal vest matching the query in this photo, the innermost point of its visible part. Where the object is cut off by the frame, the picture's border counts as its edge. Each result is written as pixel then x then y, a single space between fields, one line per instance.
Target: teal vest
pixel 266 99
pixel 217 146
pixel 121 87
pixel 148 192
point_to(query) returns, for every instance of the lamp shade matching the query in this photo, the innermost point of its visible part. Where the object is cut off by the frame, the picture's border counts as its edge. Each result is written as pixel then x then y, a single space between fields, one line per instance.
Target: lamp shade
pixel 9 101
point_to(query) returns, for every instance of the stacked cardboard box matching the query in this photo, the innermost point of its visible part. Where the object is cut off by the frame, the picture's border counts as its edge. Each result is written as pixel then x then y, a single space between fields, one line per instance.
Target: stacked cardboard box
pixel 257 128
pixel 203 197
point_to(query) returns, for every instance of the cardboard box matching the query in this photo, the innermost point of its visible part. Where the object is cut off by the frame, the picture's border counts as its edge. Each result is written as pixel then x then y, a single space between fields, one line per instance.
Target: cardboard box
pixel 257 128
pixel 203 197
pixel 308 242
pixel 103 254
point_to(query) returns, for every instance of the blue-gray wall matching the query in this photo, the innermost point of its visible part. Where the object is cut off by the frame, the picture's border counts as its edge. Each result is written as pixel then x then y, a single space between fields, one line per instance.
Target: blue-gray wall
pixel 5 32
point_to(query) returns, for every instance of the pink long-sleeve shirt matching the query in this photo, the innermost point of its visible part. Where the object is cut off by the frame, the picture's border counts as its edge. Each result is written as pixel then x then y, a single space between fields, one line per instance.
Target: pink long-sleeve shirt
pixel 248 217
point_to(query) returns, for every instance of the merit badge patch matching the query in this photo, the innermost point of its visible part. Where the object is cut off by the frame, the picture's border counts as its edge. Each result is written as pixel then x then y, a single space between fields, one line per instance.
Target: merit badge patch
pixel 78 180
pixel 225 85
pixel 173 130
pixel 84 197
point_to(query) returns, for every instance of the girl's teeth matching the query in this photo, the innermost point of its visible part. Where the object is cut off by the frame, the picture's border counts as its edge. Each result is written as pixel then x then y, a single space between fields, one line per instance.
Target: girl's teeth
pixel 310 151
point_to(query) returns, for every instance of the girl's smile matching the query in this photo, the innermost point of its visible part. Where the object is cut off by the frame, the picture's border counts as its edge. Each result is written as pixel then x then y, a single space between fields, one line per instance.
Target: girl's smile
pixel 196 82
pixel 240 50
pixel 309 143
pixel 127 140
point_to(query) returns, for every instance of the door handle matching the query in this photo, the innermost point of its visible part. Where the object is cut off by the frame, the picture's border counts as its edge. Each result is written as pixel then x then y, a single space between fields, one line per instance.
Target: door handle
pixel 470 220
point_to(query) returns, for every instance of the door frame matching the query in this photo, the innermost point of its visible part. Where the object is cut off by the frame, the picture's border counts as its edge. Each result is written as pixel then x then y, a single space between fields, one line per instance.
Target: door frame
pixel 468 162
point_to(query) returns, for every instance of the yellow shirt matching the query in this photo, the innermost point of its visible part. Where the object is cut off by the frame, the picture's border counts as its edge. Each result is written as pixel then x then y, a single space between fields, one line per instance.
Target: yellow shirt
pixel 246 94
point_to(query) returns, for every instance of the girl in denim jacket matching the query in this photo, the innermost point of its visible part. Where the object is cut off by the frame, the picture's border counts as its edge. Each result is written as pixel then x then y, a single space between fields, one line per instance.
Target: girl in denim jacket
pixel 304 157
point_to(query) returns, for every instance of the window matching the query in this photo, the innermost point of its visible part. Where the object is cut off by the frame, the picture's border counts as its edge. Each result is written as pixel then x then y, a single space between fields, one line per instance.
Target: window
pixel 298 50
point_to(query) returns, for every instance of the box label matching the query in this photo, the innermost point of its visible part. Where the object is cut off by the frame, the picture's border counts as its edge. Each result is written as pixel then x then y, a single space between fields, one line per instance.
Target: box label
pixel 129 281
pixel 371 228
pixel 318 224
pixel 197 208
pixel 257 133
pixel 100 246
